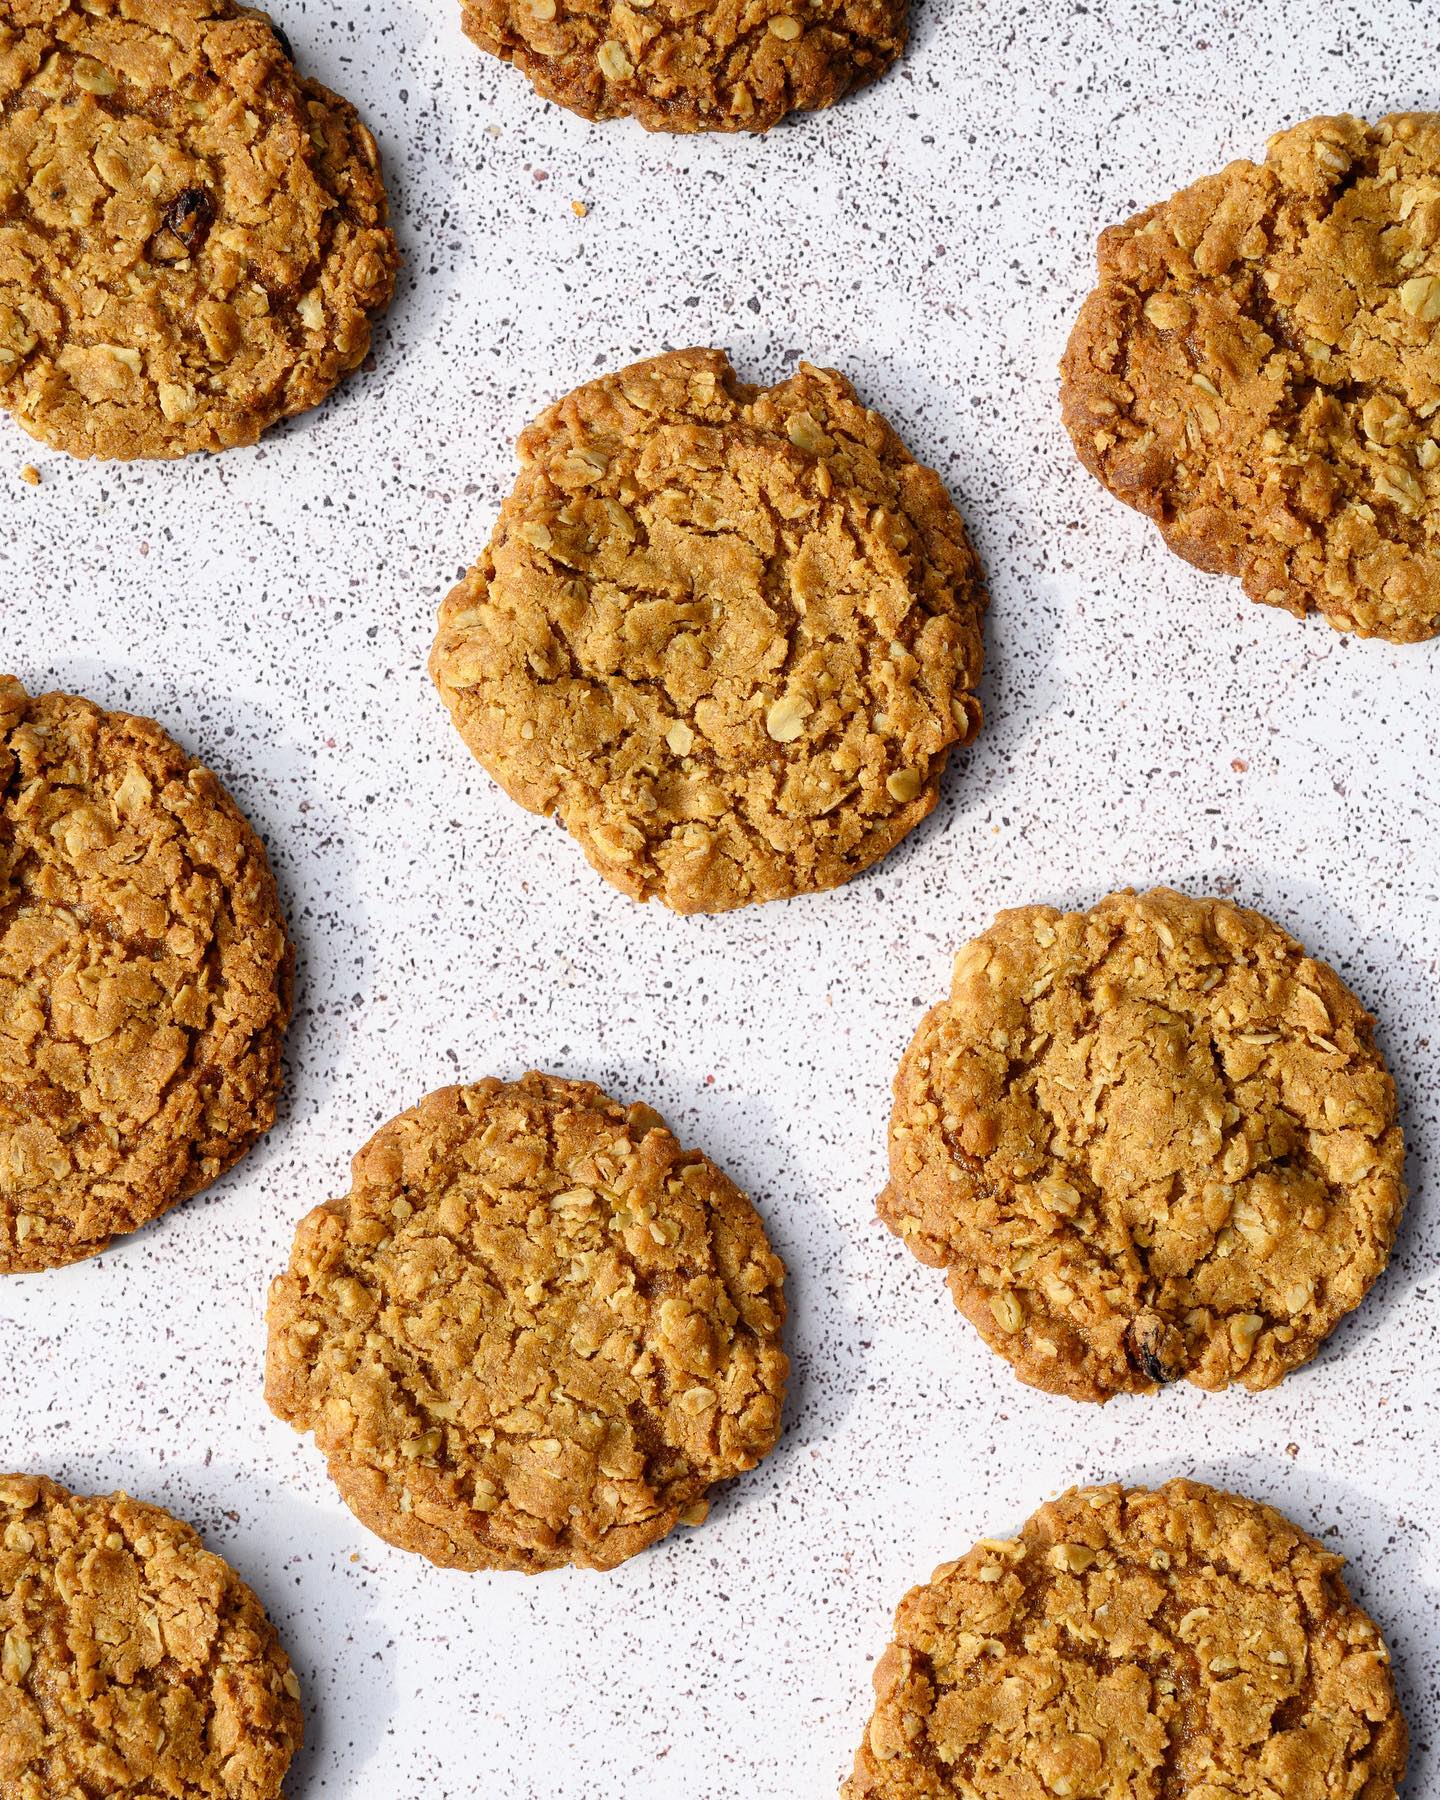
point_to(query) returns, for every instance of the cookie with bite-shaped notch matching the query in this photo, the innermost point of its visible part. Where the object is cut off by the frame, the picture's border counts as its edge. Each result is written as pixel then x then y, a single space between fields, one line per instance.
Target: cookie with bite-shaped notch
pixel 728 635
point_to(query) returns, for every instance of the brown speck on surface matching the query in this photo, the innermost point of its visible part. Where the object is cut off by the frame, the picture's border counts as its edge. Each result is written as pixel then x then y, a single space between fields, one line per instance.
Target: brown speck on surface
pixel 579 208
pixel 1239 765
pixel 30 474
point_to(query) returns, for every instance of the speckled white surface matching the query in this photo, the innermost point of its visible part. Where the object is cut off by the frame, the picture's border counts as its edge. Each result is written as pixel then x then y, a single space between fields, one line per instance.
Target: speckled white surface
pixel 273 608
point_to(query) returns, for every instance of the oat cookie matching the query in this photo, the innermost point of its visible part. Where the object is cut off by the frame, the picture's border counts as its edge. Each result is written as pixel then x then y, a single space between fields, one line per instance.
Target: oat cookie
pixel 678 66
pixel 1135 1646
pixel 1147 1141
pixel 144 978
pixel 133 1661
pixel 195 244
pixel 727 634
pixel 1259 372
pixel 534 1333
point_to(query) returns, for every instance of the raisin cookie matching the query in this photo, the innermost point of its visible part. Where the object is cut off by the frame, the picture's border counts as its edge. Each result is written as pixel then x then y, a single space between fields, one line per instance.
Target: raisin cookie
pixel 195 244
pixel 534 1333
pixel 1133 1643
pixel 676 66
pixel 1147 1141
pixel 1258 371
pixel 132 1660
pixel 144 978
pixel 727 634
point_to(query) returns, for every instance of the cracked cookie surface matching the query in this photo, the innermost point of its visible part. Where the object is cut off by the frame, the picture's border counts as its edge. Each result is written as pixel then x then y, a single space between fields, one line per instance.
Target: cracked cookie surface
pixel 144 978
pixel 674 65
pixel 132 1660
pixel 1258 371
pixel 535 1332
pixel 1136 1645
pixel 728 635
pixel 195 244
pixel 1147 1141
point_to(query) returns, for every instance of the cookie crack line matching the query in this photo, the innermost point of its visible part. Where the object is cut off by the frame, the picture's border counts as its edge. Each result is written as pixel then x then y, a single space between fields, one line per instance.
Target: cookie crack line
pixel 718 720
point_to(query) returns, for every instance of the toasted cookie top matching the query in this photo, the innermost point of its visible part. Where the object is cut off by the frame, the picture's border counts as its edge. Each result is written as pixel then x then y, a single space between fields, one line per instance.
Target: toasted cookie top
pixel 1259 372
pixel 675 66
pixel 534 1333
pixel 1147 1141
pixel 1176 1642
pixel 144 978
pixel 728 634
pixel 195 241
pixel 132 1660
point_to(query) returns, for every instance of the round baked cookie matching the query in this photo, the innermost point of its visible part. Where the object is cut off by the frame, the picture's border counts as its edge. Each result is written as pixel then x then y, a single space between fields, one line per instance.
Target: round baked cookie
pixel 133 1661
pixel 676 66
pixel 144 978
pixel 1147 1141
pixel 1258 371
pixel 195 244
pixel 727 634
pixel 1133 1645
pixel 534 1333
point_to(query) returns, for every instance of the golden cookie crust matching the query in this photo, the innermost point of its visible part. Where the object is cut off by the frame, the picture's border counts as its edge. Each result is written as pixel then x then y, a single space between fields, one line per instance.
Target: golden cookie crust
pixel 195 244
pixel 145 978
pixel 133 1661
pixel 741 65
pixel 534 1333
pixel 727 634
pixel 1136 1645
pixel 1147 1141
pixel 1258 372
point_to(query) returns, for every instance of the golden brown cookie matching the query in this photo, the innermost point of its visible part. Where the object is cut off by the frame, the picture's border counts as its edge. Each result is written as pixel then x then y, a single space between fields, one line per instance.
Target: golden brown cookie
pixel 728 635
pixel 195 242
pixel 1258 371
pixel 1147 1141
pixel 676 66
pixel 133 1661
pixel 1136 1646
pixel 534 1333
pixel 144 978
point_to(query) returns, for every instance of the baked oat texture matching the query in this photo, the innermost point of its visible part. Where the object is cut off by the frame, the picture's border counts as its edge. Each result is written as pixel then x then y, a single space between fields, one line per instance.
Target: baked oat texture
pixel 535 1333
pixel 195 242
pixel 144 978
pixel 1147 1141
pixel 684 65
pixel 727 634
pixel 1135 1646
pixel 1258 371
pixel 133 1661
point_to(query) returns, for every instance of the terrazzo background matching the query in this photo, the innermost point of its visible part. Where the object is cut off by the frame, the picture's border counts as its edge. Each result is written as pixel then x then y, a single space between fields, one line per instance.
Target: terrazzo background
pixel 273 609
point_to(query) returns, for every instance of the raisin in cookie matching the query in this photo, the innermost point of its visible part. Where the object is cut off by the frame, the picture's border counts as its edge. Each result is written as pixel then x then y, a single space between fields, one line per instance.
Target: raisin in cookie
pixel 133 1661
pixel 1259 372
pixel 1147 1141
pixel 676 66
pixel 727 634
pixel 534 1333
pixel 195 244
pixel 144 978
pixel 1136 1644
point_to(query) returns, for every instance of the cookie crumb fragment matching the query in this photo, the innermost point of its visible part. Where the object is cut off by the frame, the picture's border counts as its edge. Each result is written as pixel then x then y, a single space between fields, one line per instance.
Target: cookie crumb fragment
pixel 30 474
